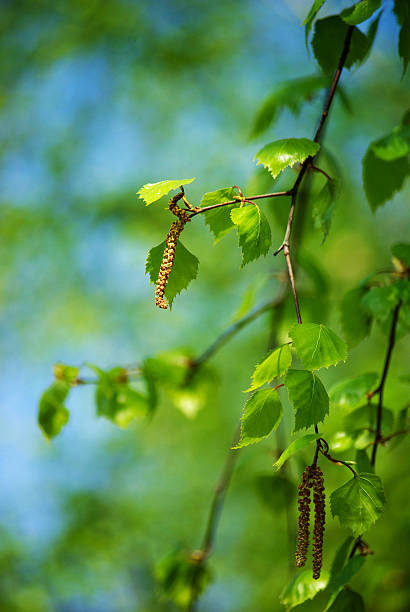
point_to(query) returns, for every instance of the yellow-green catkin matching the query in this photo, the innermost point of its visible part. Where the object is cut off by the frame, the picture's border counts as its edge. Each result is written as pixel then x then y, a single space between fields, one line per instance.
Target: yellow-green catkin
pixel 169 251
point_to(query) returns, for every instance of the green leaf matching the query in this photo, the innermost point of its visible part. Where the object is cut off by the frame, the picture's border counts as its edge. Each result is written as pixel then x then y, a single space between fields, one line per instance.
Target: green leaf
pixel 184 270
pixel 348 601
pixel 341 557
pixel 261 416
pixel 366 416
pixel 276 364
pixel 402 12
pixel 180 577
pixel 253 232
pixel 349 393
pixel 294 447
pixel 276 491
pixel 401 252
pixel 308 396
pixel 66 373
pixel 317 345
pixel 401 424
pixel 323 207
pixel 380 302
pixel 337 582
pixel 53 415
pixel 219 220
pixel 291 95
pixel 356 322
pixel 278 155
pixel 190 397
pixel 359 502
pixel 314 9
pixel 363 462
pixel 360 11
pixel 116 400
pixel 328 41
pixel 302 587
pixel 381 179
pixel 393 146
pixel 151 192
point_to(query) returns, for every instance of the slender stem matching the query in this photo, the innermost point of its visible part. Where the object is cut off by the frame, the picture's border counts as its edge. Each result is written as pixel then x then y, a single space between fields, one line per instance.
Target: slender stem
pixel 380 388
pixel 198 210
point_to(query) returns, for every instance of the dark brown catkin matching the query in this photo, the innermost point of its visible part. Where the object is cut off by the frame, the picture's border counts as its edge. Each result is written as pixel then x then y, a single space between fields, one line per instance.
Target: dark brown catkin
pixel 169 251
pixel 304 512
pixel 320 517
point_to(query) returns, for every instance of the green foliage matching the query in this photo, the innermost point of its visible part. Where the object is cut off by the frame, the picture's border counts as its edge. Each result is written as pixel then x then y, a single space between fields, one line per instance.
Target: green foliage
pixel 356 322
pixel 151 192
pixel 184 270
pixel 276 491
pixel 402 253
pixel 254 233
pixel 317 345
pixel 402 12
pixel 66 373
pixel 359 12
pixel 116 400
pixel 302 587
pixel 341 557
pixel 323 207
pixel 53 415
pixel 261 415
pixel 308 396
pixel 338 581
pixel 380 302
pixel 291 95
pixel 276 364
pixel 363 462
pixel 328 41
pixel 294 447
pixel 359 502
pixel 351 392
pixel 219 220
pixel 179 576
pixel 348 601
pixel 314 9
pixel 280 154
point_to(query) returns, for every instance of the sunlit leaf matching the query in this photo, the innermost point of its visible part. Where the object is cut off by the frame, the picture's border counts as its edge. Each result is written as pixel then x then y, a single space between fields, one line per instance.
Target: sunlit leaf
pixel 254 233
pixel 274 365
pixel 184 270
pixel 324 203
pixel 302 587
pixel 66 373
pixel 52 414
pixel 261 416
pixel 401 252
pixel 219 220
pixel 359 12
pixel 116 400
pixel 151 192
pixel 359 502
pixel 314 9
pixel 295 447
pixel 308 396
pixel 280 154
pixel 317 345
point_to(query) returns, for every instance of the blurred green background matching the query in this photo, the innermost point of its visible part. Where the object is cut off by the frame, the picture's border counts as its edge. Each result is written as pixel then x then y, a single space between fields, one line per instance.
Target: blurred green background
pixel 96 99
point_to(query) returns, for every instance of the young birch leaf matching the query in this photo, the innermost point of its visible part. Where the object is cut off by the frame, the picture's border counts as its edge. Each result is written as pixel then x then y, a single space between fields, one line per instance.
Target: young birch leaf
pixel 151 192
pixel 328 41
pixel 276 364
pixel 261 416
pixel 278 155
pixel 253 232
pixel 301 588
pixel 359 502
pixel 359 12
pixel 66 373
pixel 323 207
pixel 52 414
pixel 338 581
pixel 380 302
pixel 350 393
pixel 317 345
pixel 116 400
pixel 348 601
pixel 401 252
pixel 184 270
pixel 341 557
pixel 308 396
pixel 314 9
pixel 295 447
pixel 356 322
pixel 219 220
pixel 381 179
pixel 402 12
pixel 363 462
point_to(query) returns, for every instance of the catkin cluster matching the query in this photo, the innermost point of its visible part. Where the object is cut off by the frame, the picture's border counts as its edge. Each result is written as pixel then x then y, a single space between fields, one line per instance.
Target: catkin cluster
pixel 169 251
pixel 312 478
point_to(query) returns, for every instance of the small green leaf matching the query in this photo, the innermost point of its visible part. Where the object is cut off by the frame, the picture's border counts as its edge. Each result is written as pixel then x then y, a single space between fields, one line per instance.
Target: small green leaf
pixel 294 447
pixel 254 233
pixel 184 270
pixel 328 41
pixel 401 252
pixel 219 220
pixel 363 462
pixel 393 146
pixel 350 393
pixel 366 416
pixel 317 345
pixel 323 207
pixel 53 415
pixel 402 12
pixel 348 601
pixel 261 416
pixel 66 373
pixel 338 581
pixel 316 6
pixel 180 577
pixel 379 302
pixel 359 502
pixel 116 400
pixel 341 557
pixel 356 322
pixel 359 12
pixel 381 179
pixel 301 588
pixel 276 364
pixel 278 155
pixel 308 396
pixel 151 192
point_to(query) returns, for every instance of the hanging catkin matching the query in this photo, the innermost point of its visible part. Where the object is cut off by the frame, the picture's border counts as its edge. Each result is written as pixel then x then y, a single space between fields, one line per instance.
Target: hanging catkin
pixel 318 530
pixel 303 523
pixel 169 251
pixel 312 478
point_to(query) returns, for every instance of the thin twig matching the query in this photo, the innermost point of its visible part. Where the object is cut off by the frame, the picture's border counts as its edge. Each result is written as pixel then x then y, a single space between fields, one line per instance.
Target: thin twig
pixel 198 210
